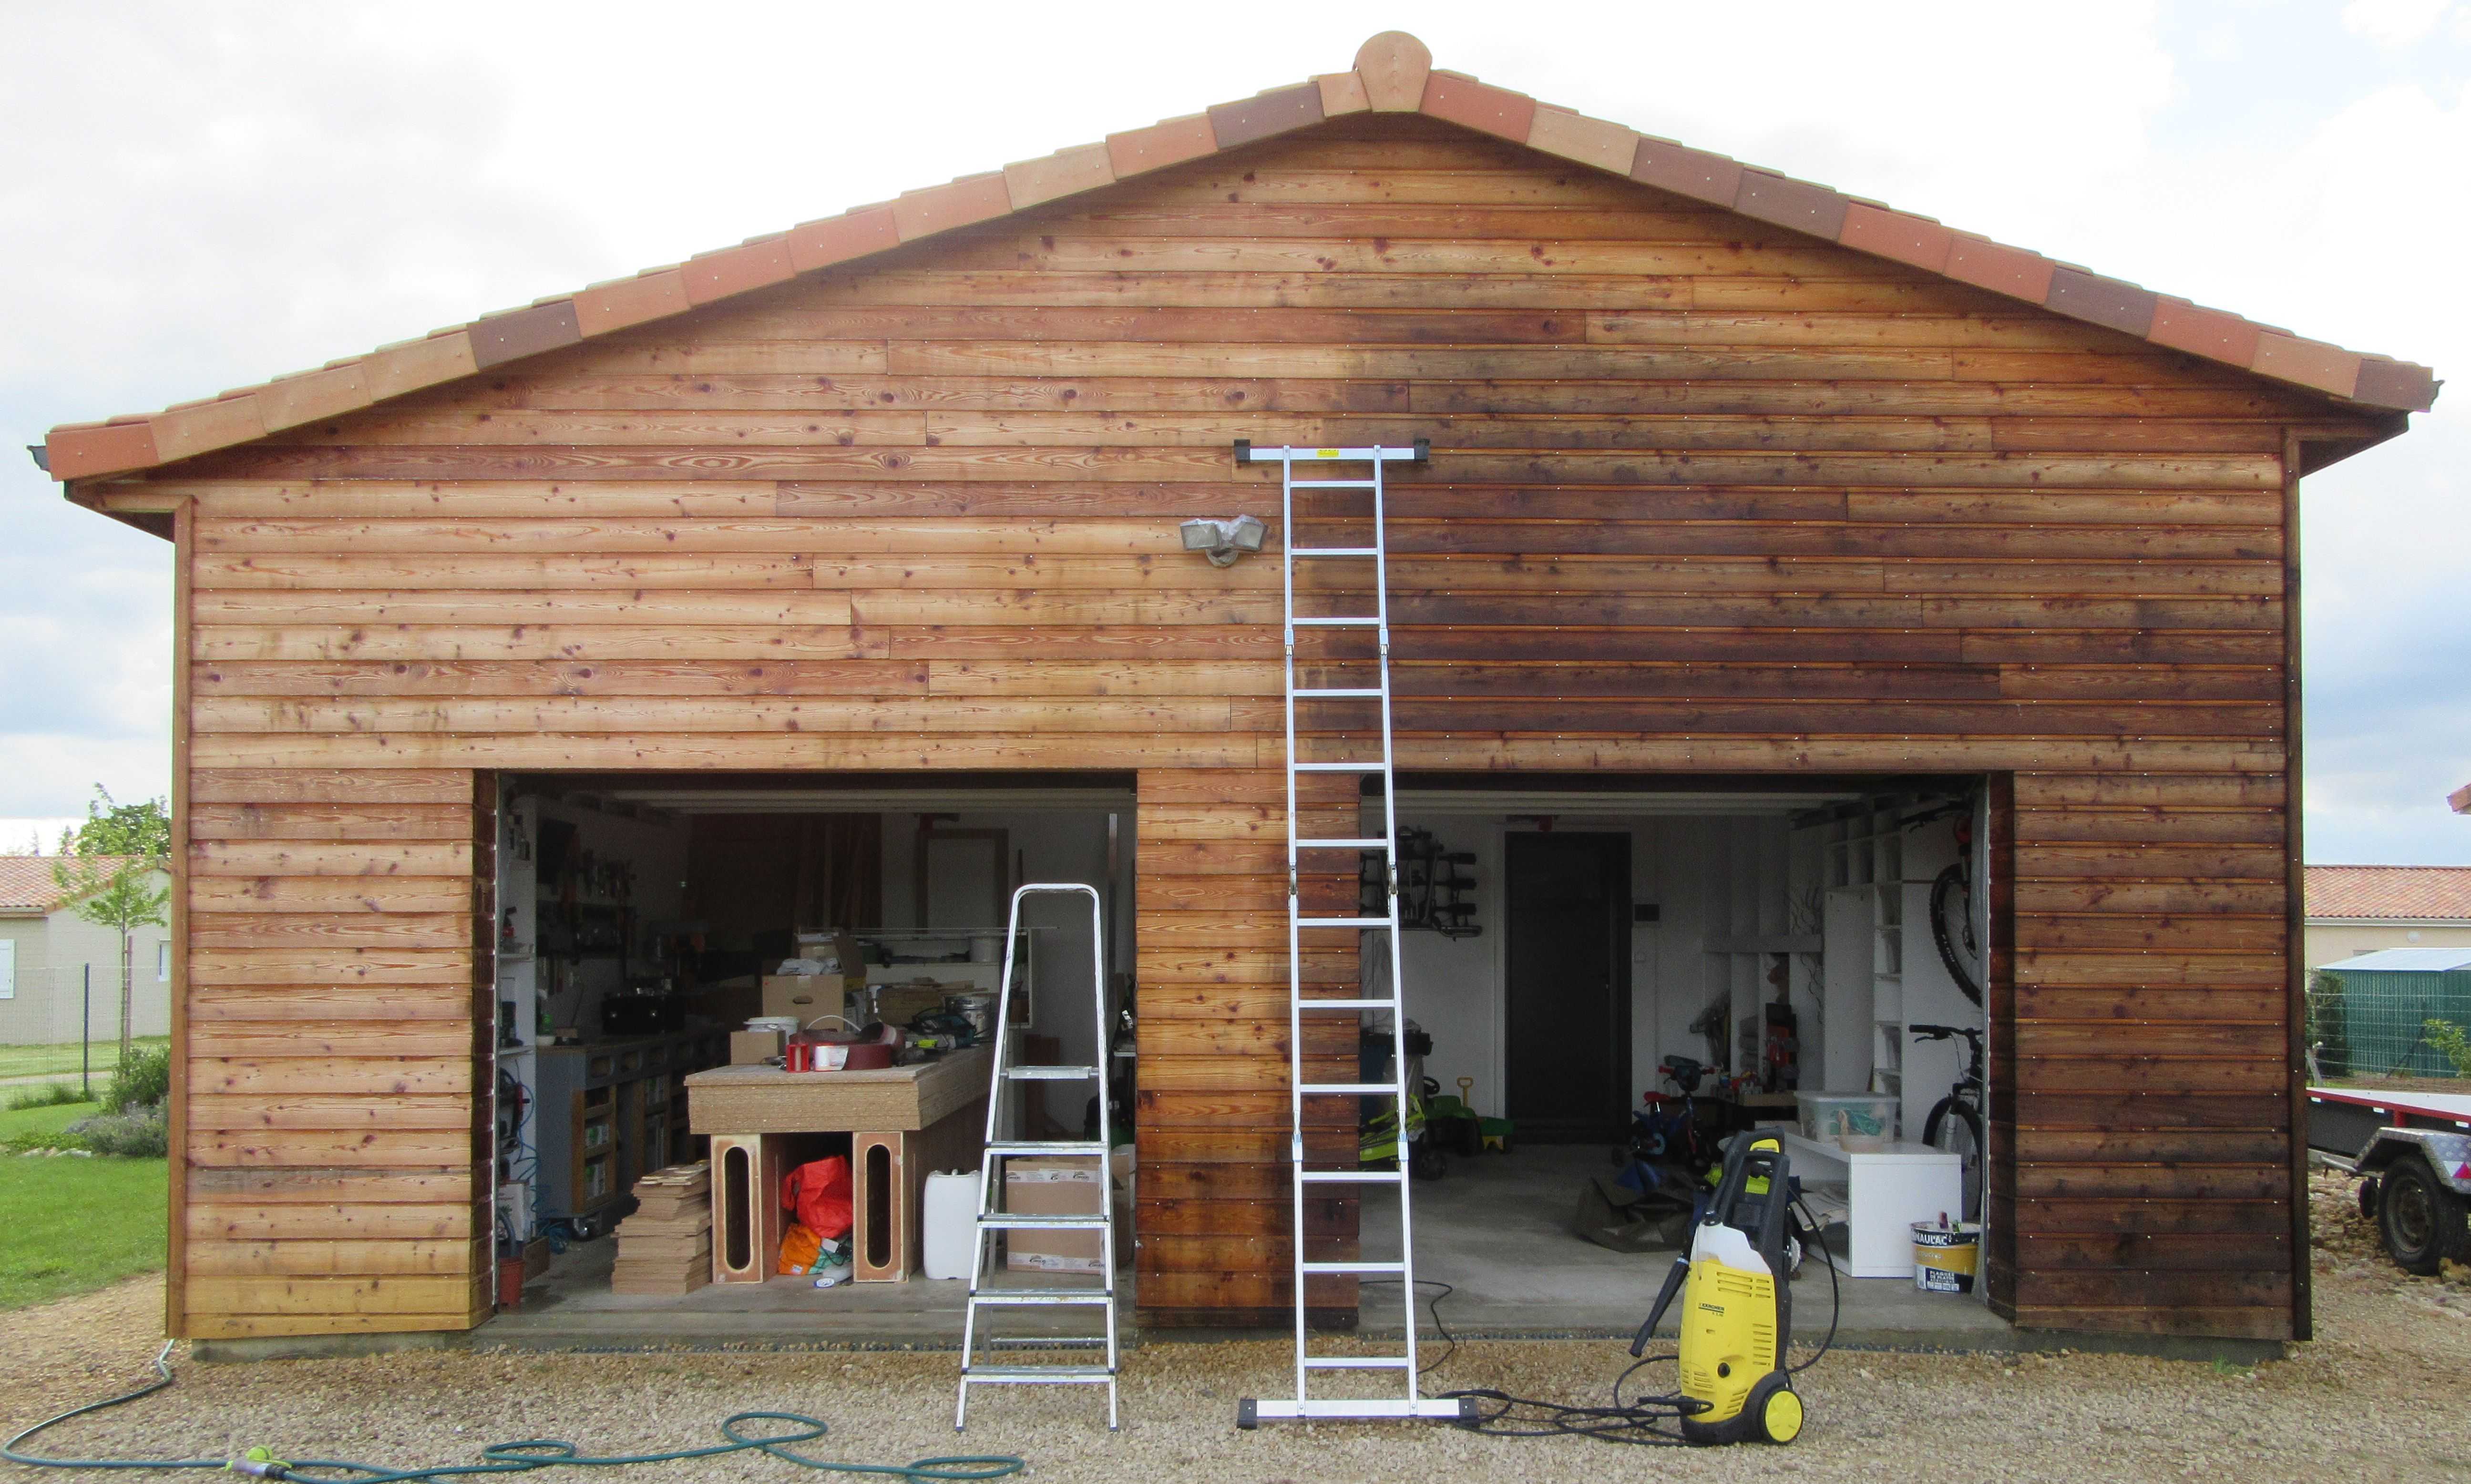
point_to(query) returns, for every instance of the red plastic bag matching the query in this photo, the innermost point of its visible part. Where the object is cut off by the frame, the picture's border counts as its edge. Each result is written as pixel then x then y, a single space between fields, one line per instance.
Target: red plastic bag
pixel 818 1194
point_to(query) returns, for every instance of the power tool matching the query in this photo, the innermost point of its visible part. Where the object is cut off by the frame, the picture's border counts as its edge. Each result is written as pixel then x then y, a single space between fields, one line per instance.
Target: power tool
pixel 1736 1304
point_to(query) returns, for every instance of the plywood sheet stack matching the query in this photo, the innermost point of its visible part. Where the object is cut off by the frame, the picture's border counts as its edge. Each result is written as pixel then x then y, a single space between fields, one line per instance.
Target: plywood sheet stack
pixel 665 1248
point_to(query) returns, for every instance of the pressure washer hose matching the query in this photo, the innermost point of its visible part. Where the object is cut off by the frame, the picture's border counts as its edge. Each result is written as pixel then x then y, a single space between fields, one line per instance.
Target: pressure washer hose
pixel 518 1457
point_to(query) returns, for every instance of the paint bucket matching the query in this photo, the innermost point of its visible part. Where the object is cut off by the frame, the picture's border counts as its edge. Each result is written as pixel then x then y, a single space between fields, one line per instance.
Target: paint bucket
pixel 1947 1254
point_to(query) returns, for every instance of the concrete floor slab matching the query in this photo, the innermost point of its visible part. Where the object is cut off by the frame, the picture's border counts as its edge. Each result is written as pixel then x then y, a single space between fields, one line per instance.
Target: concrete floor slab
pixel 1495 1228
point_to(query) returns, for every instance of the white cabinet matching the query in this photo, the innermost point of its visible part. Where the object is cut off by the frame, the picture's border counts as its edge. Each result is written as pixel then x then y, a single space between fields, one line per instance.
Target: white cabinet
pixel 1886 1191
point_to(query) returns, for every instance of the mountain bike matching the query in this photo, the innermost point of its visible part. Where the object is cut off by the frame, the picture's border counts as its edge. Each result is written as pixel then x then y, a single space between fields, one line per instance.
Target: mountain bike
pixel 1956 1121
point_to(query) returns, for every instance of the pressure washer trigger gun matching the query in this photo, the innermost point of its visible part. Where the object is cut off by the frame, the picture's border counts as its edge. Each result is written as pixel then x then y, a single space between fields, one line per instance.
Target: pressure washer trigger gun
pixel 1673 1283
pixel 258 1462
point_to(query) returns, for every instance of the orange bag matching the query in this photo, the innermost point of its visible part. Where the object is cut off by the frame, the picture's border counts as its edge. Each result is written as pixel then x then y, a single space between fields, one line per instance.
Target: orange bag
pixel 818 1194
pixel 800 1247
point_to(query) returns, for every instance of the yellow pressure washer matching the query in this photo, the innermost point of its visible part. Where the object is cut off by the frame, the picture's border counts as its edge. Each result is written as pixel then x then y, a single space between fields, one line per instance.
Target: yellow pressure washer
pixel 1736 1304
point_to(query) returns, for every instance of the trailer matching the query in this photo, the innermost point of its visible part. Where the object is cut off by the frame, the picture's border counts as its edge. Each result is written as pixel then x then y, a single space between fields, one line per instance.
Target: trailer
pixel 2411 1154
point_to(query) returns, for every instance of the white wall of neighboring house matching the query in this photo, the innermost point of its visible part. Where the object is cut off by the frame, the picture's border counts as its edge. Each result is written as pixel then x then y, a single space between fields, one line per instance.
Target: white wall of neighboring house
pixel 2330 940
pixel 42 978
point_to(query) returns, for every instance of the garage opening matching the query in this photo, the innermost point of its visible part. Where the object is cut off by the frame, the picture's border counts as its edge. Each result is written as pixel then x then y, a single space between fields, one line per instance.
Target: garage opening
pixel 641 922
pixel 1606 978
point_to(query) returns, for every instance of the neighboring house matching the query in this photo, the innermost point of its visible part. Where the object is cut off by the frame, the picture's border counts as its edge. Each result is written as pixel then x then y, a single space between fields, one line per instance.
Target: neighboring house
pixel 47 952
pixel 2355 909
pixel 1746 498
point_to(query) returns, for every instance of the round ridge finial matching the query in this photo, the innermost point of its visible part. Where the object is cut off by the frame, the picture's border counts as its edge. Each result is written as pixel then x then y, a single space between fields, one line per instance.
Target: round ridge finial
pixel 1394 66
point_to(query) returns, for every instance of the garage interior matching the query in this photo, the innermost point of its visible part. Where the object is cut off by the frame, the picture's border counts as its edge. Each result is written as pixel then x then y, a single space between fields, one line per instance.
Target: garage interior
pixel 1570 936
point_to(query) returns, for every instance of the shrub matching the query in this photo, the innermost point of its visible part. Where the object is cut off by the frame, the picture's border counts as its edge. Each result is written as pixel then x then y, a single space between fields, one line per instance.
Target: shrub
pixel 48 1094
pixel 2328 1029
pixel 143 1081
pixel 2451 1043
pixel 139 1135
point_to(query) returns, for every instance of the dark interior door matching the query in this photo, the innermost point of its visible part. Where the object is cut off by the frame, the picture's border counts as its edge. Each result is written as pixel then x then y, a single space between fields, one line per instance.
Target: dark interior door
pixel 1569 983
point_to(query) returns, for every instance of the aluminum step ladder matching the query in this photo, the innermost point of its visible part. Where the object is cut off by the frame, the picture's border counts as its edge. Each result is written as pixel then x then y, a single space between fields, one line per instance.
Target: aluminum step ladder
pixel 994 1218
pixel 1373 760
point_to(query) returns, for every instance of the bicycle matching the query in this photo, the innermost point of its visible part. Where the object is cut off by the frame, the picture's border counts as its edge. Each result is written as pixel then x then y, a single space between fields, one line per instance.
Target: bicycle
pixel 1953 888
pixel 1955 1123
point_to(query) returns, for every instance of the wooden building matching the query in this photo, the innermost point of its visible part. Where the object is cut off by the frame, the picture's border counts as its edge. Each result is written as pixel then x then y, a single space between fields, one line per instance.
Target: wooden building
pixel 1735 481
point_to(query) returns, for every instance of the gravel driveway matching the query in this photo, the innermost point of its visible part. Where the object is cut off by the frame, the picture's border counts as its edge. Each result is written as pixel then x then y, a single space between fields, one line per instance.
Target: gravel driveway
pixel 2353 1405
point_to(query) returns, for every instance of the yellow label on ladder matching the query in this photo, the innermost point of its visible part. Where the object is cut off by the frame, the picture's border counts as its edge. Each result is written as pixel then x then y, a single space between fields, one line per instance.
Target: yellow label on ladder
pixel 1326 453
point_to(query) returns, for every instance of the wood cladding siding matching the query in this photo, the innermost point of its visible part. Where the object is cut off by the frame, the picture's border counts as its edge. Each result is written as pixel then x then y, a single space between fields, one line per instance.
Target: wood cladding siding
pixel 1706 497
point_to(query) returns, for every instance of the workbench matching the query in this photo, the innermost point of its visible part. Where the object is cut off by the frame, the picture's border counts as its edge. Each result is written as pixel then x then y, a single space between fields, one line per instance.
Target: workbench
pixel 903 1122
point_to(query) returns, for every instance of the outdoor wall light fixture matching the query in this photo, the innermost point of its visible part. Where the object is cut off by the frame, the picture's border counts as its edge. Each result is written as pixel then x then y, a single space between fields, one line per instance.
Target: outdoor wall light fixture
pixel 1222 541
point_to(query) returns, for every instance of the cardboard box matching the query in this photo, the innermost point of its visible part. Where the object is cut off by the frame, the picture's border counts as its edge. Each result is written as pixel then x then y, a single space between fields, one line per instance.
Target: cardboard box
pixel 805 996
pixel 839 950
pixel 753 1048
pixel 1043 1186
pixel 898 1005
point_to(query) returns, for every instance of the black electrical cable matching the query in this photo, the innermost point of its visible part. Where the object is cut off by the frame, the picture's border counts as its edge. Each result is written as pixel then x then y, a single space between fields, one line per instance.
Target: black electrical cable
pixel 1638 1422
pixel 1432 1304
pixel 516 1458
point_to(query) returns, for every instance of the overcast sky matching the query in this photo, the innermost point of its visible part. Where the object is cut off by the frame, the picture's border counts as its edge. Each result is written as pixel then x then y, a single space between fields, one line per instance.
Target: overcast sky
pixel 198 197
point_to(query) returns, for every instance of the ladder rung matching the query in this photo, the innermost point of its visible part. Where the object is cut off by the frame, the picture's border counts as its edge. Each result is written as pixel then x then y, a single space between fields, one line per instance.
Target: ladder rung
pixel 1343 922
pixel 1349 1089
pixel 1347 1176
pixel 1342 622
pixel 1007 1218
pixel 1081 1148
pixel 1347 1004
pixel 1341 767
pixel 1332 485
pixel 1051 1073
pixel 1377 842
pixel 1035 1375
pixel 1358 1363
pixel 1339 693
pixel 1351 1268
pixel 1335 550
pixel 1045 1296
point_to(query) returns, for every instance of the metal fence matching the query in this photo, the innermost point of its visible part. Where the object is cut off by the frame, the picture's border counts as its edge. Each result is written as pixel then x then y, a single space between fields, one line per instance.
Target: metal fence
pixel 2366 1022
pixel 60 1022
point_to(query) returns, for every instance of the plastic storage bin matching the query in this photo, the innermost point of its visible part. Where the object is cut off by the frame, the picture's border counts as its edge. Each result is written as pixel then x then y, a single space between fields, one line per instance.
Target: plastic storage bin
pixel 1828 1116
pixel 952 1223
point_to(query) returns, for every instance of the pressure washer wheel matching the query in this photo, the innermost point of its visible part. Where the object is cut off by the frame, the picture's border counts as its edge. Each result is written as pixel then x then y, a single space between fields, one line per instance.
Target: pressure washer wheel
pixel 1775 1408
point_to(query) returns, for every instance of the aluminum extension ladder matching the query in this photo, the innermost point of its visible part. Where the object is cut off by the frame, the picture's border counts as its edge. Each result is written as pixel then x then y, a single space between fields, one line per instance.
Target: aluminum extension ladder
pixel 1406 1401
pixel 993 1218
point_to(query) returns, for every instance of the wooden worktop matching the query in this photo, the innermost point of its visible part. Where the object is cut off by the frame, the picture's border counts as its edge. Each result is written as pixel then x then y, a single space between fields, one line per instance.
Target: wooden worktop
pixel 766 1099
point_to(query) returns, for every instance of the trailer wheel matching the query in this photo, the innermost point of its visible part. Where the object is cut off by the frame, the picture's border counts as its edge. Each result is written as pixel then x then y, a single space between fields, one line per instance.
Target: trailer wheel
pixel 2369 1198
pixel 2422 1221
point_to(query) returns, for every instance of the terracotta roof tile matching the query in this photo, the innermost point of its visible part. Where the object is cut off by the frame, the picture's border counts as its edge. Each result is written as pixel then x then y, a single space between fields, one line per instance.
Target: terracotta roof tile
pixel 1394 67
pixel 1170 142
pixel 1393 72
pixel 1575 136
pixel 1786 201
pixel 749 266
pixel 25 883
pixel 2406 893
pixel 1897 235
pixel 1277 111
pixel 2003 270
pixel 940 208
pixel 1460 99
pixel 2202 332
pixel 628 302
pixel 526 332
pixel 835 240
pixel 1064 173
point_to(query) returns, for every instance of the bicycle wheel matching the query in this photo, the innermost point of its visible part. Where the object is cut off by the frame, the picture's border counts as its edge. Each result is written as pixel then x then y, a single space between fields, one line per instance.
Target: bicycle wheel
pixel 1954 1126
pixel 1945 896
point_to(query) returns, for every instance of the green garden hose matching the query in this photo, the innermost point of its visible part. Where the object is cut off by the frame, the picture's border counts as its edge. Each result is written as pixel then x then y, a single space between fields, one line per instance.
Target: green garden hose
pixel 519 1457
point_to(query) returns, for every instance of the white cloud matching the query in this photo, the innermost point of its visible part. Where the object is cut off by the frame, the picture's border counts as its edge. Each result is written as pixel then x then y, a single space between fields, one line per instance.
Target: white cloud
pixel 223 192
pixel 2394 22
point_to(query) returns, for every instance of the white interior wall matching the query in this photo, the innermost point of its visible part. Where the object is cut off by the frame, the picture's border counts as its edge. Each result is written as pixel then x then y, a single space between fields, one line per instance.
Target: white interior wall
pixel 1041 845
pixel 1709 876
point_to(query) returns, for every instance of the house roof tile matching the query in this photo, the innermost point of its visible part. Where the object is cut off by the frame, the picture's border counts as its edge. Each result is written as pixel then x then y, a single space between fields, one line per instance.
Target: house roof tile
pixel 25 883
pixel 1393 72
pixel 2412 893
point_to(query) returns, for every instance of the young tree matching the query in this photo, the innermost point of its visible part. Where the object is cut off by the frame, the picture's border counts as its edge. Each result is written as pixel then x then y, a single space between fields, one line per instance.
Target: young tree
pixel 107 874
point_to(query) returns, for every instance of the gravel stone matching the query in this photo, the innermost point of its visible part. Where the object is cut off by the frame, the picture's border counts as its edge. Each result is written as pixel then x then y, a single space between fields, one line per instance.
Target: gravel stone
pixel 2353 1404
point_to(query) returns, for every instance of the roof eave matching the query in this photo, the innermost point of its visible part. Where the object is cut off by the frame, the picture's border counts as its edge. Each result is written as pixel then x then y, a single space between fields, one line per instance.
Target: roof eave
pixel 1393 72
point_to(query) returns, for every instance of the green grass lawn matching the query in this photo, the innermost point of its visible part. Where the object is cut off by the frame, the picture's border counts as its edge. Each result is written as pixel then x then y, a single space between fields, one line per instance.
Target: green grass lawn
pixel 70 1225
pixel 35 1061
